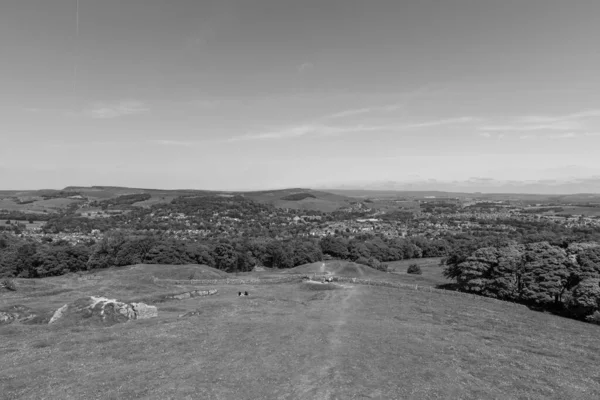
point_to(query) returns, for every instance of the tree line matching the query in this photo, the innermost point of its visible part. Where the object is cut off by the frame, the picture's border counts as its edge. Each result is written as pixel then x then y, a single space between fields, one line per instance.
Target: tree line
pixel 565 279
pixel 20 257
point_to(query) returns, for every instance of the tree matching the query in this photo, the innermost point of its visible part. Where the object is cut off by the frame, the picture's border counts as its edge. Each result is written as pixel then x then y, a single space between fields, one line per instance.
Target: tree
pixel 335 247
pixel 306 252
pixel 358 250
pixel 225 257
pixel 585 298
pixel 545 275
pixel 106 250
pixel 588 263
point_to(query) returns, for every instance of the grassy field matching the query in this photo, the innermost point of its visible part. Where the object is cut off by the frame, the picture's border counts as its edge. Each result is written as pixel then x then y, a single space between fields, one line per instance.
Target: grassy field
pixel 431 276
pixel 293 341
pixel 585 211
pixel 34 225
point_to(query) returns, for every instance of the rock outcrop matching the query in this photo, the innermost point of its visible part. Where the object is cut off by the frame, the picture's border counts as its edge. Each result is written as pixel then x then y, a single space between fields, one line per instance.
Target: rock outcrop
pixel 18 313
pixel 102 311
pixel 144 311
pixel 188 295
pixel 191 314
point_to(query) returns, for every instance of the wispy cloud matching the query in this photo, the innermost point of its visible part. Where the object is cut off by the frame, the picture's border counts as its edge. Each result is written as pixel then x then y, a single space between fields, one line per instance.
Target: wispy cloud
pixel 530 136
pixel 567 117
pixel 308 129
pixel 400 103
pixel 568 122
pixel 333 130
pixel 305 67
pixel 366 110
pixel 489 135
pixel 567 135
pixel 554 126
pixel 441 122
pixel 115 110
pixel 67 145
pixel 170 142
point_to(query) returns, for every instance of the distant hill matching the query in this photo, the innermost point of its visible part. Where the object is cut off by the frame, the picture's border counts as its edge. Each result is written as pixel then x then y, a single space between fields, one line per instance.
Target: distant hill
pixel 548 187
pixel 39 200
pixel 418 194
pixel 301 199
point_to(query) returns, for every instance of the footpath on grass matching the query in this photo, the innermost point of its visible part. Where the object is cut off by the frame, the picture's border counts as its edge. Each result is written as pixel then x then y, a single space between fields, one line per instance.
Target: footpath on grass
pixel 342 279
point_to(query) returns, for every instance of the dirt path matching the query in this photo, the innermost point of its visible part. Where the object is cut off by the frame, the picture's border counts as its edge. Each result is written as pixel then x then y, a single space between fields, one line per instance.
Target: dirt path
pixel 319 375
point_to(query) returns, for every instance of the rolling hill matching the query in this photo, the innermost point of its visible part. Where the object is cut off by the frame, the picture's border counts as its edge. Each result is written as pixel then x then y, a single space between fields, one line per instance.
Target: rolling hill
pixel 283 341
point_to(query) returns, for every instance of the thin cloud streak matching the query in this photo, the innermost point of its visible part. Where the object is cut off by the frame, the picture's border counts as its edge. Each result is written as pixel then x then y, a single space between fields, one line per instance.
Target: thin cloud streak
pixel 566 135
pixel 568 122
pixel 115 110
pixel 401 104
pixel 329 130
pixel 168 142
pixel 366 110
pixel 441 122
pixel 555 126
pixel 568 117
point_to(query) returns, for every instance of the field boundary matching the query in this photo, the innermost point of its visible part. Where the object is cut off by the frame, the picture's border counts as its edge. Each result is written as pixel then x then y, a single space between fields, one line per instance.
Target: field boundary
pixel 359 281
pixel 227 281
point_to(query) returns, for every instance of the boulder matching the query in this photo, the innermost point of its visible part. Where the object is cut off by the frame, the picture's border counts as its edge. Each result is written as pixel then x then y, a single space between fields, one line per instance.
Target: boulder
pixel 102 311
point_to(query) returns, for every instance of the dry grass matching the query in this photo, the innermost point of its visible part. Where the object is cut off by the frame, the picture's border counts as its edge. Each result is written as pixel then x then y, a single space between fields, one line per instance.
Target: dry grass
pixel 286 342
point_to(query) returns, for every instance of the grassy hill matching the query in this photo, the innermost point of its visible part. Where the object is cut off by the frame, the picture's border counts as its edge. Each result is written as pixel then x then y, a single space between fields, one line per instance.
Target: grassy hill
pixel 345 269
pixel 54 200
pixel 283 341
pixel 301 199
pixel 430 267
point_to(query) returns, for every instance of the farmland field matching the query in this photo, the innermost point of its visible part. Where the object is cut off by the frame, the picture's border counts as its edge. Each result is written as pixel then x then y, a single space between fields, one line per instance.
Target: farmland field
pixel 290 341
pixel 34 225
pixel 585 211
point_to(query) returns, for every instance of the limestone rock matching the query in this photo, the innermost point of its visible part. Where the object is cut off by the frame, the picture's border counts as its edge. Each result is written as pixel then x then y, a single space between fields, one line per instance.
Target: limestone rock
pixel 102 311
pixel 58 314
pixel 18 313
pixel 190 314
pixel 144 311
pixel 194 293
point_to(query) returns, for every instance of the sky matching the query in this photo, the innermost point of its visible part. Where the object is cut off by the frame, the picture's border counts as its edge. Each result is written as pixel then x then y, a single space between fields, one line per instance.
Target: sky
pixel 261 94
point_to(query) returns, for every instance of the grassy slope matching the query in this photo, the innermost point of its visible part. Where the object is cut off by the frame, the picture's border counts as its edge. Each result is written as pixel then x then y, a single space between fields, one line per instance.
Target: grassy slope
pixel 338 268
pixel 285 341
pixel 323 201
pixel 432 271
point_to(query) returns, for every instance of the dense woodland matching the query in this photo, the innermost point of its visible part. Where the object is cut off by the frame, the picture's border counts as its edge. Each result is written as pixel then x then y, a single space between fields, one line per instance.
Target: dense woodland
pixel 564 280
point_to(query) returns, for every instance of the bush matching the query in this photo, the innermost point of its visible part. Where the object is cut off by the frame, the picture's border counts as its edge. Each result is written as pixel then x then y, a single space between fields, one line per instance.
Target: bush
pixel 8 284
pixel 414 269
pixel 594 318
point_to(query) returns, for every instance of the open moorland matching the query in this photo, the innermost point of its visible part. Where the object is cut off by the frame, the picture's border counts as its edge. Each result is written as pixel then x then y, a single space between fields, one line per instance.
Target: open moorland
pixel 296 339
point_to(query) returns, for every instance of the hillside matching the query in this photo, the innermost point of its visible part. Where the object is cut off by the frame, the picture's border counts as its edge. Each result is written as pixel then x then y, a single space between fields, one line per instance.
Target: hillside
pixel 49 201
pixel 345 269
pixel 301 199
pixel 283 341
